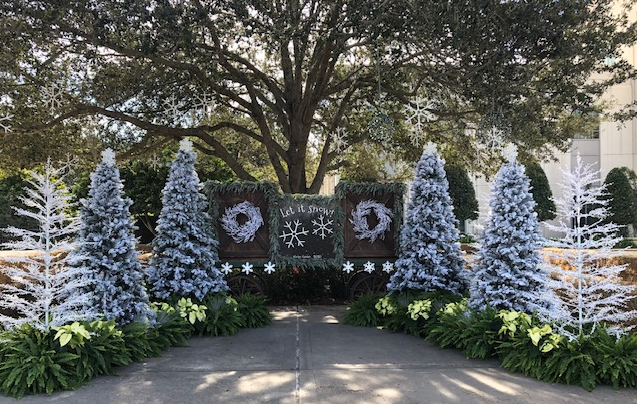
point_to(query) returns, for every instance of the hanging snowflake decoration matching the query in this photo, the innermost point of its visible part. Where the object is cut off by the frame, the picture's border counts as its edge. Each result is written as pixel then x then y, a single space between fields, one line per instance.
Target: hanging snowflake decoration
pixel 226 268
pixel 5 126
pixel 416 137
pixel 322 227
pixel 204 103
pixel 388 267
pixel 348 267
pixel 369 267
pixel 361 225
pixel 291 235
pixel 339 140
pixel 53 97
pixel 493 132
pixel 242 233
pixel 381 127
pixel 172 109
pixel 269 268
pixel 247 268
pixel 419 113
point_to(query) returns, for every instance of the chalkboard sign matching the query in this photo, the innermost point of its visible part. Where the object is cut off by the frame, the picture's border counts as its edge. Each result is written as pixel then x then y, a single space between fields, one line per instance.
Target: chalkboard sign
pixel 307 228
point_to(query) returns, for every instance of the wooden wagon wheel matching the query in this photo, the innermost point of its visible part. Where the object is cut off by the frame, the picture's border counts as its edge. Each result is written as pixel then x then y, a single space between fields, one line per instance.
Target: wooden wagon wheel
pixel 240 284
pixel 368 283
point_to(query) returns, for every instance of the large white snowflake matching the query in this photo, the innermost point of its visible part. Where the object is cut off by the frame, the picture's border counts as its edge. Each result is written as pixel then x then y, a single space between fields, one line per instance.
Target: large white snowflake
pixel 493 139
pixel 388 266
pixel 419 113
pixel 322 227
pixel 269 268
pixel 348 267
pixel 339 140
pixel 291 235
pixel 226 268
pixel 5 126
pixel 247 268
pixel 172 108
pixel 53 97
pixel 369 267
pixel 204 103
pixel 416 137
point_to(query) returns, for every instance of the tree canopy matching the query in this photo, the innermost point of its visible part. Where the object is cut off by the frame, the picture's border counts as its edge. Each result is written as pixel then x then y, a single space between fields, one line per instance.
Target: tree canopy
pixel 301 79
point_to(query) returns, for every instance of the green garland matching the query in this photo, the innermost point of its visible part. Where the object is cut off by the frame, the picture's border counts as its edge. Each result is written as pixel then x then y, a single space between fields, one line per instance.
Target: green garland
pixel 397 188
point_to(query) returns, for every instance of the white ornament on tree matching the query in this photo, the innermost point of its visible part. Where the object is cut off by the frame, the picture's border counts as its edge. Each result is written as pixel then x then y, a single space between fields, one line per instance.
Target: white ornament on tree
pixel 361 225
pixel 245 232
pixel 339 140
pixel 418 113
pixel 53 97
pixel 5 126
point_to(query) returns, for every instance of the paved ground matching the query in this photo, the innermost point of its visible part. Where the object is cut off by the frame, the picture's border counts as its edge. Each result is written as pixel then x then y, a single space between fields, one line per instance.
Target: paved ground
pixel 308 357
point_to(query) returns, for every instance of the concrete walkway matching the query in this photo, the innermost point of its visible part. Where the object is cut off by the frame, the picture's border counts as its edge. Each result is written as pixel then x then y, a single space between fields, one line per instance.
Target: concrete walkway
pixel 306 357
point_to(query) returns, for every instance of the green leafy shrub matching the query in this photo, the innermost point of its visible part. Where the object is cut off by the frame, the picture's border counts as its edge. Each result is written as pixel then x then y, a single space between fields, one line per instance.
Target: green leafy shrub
pixel 452 320
pixel 223 316
pixel 362 312
pixel 253 311
pixel 137 338
pixel 170 329
pixel 104 350
pixel 480 337
pixel 31 362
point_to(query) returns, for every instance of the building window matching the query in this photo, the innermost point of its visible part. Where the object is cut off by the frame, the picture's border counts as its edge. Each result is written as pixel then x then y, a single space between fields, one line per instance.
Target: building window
pixel 590 126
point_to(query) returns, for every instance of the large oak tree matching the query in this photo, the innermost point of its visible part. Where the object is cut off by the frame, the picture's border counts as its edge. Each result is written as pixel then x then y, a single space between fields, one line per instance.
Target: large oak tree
pixel 287 74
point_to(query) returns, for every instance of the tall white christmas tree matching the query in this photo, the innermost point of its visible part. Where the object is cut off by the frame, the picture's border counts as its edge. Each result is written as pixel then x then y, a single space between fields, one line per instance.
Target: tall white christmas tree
pixel 591 292
pixel 508 274
pixel 107 251
pixel 430 253
pixel 45 290
pixel 184 251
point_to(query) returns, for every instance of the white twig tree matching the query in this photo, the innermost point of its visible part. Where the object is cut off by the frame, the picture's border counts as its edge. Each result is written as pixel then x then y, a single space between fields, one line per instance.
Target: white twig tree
pixel 591 292
pixel 45 290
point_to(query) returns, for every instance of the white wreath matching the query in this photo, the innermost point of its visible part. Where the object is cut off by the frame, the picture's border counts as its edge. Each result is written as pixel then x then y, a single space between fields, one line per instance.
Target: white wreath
pixel 245 232
pixel 359 220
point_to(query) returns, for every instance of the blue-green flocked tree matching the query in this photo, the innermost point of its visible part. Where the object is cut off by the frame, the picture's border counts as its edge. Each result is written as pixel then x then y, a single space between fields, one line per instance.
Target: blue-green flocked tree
pixel 508 275
pixel 184 251
pixel 430 253
pixel 107 248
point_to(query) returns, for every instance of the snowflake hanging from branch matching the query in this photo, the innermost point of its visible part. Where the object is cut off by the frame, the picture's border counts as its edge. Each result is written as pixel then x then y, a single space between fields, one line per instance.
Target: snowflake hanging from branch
pixel 419 113
pixel 291 235
pixel 339 140
pixel 53 97
pixel 172 109
pixel 493 139
pixel 204 103
pixel 5 126
pixel 245 232
pixel 322 227
pixel 361 225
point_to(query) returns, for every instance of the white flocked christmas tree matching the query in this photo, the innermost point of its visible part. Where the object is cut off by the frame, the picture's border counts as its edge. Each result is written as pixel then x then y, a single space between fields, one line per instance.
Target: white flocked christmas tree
pixel 430 253
pixel 589 286
pixel 45 290
pixel 508 274
pixel 107 248
pixel 184 251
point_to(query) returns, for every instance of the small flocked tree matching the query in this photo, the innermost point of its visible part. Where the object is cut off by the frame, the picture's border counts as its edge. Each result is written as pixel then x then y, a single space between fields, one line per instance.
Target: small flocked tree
pixel 508 274
pixel 184 251
pixel 45 290
pixel 591 292
pixel 107 249
pixel 430 253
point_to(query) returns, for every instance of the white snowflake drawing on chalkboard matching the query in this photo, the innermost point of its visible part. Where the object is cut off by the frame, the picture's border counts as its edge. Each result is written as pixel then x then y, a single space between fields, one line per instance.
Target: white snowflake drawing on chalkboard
pixel 291 235
pixel 322 227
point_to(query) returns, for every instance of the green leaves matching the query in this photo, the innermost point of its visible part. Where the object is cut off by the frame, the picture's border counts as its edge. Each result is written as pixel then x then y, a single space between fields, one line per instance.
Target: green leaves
pixel 74 333
pixel 252 309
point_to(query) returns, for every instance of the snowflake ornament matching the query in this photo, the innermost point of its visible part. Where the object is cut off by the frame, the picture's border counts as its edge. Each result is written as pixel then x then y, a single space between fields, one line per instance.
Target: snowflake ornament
pixel 322 227
pixel 291 235
pixel 53 97
pixel 5 126
pixel 339 140
pixel 247 268
pixel 416 137
pixel 269 268
pixel 388 267
pixel 369 267
pixel 203 103
pixel 348 267
pixel 418 113
pixel 171 108
pixel 226 268
pixel 493 139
